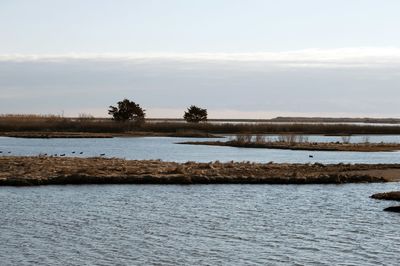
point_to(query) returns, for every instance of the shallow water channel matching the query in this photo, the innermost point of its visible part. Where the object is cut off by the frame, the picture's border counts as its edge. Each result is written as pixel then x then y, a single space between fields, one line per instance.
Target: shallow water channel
pixel 165 148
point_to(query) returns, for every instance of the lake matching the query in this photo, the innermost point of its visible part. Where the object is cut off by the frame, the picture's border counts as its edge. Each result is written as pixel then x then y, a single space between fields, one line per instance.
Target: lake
pixel 198 225
pixel 164 148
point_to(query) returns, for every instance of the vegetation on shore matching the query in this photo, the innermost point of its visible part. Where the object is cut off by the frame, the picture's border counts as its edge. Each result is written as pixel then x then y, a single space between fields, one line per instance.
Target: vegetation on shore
pixel 129 118
pixel 68 135
pixel 195 114
pixel 88 124
pixel 298 142
pixel 127 110
pixel 44 170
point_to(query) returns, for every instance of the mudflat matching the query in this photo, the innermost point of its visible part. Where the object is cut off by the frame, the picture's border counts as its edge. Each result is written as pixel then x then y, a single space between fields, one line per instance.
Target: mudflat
pixel 43 170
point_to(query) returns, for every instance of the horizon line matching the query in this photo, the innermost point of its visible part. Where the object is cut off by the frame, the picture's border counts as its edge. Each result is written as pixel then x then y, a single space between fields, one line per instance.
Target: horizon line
pixel 326 53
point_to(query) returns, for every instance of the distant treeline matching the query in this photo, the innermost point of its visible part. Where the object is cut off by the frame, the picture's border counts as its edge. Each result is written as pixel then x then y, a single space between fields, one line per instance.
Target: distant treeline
pixel 51 123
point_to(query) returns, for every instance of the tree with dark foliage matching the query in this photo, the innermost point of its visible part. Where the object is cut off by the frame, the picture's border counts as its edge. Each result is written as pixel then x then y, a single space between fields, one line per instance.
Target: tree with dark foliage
pixel 195 114
pixel 127 110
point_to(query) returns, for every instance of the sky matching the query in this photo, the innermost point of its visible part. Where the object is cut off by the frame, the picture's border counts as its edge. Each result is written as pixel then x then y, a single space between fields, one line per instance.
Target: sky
pixel 238 59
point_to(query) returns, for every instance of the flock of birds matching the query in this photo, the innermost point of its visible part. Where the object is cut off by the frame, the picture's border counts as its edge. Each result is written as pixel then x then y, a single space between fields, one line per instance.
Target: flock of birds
pixel 101 154
pixel 56 154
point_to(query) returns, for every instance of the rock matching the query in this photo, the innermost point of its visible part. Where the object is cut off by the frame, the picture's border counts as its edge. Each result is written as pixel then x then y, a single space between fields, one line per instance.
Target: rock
pixel 393 209
pixel 393 195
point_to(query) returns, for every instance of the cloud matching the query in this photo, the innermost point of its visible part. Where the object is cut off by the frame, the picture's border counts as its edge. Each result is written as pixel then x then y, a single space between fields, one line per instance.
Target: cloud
pixel 363 56
pixel 342 81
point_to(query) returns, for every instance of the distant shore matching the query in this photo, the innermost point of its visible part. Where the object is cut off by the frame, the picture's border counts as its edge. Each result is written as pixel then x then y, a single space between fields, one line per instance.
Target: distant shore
pixel 305 146
pixel 56 126
pixel 28 171
pixel 72 135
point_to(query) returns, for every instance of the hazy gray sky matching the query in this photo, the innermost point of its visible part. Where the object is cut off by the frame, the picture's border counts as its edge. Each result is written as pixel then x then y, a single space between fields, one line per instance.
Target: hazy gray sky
pixel 244 58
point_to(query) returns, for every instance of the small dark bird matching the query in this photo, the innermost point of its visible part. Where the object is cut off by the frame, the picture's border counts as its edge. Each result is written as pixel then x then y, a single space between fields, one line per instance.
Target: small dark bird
pixel 1 152
pixel 311 156
pixel 9 152
pixel 73 152
pixel 102 154
pixel 62 154
pixel 55 154
pixel 81 152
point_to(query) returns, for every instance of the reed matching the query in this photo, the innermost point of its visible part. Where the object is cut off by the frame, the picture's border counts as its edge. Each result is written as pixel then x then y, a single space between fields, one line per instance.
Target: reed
pixel 86 123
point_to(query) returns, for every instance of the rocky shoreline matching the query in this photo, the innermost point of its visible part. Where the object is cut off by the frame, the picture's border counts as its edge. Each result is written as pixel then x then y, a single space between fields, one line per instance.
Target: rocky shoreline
pixel 392 195
pixel 43 170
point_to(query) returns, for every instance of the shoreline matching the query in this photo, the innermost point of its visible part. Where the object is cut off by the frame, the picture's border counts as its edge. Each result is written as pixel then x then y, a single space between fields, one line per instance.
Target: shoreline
pixel 29 124
pixel 30 171
pixel 304 146
pixel 182 134
pixel 72 135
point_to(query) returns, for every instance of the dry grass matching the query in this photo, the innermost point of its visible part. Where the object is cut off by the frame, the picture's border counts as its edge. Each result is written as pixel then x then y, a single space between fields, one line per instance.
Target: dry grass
pixel 254 128
pixel 86 123
pixel 53 123
pixel 299 142
pixel 55 170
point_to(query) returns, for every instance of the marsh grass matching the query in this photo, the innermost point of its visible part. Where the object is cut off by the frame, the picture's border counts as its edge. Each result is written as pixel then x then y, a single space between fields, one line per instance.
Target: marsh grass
pixel 54 123
pixel 247 139
pixel 87 123
pixel 254 128
pixel 45 170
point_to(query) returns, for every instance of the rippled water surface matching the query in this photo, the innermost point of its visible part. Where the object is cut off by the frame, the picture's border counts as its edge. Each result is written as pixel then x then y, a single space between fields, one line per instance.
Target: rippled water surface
pixel 198 225
pixel 164 148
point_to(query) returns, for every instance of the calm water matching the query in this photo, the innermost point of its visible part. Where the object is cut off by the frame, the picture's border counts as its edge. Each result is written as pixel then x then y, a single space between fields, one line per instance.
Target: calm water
pixel 165 148
pixel 198 225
